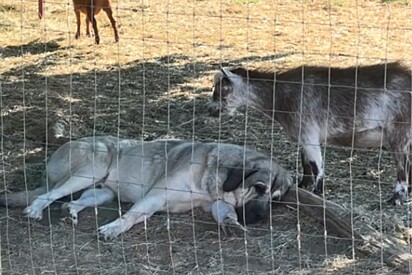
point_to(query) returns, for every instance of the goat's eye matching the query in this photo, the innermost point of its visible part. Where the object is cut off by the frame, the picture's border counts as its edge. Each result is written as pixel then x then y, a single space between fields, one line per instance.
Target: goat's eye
pixel 225 87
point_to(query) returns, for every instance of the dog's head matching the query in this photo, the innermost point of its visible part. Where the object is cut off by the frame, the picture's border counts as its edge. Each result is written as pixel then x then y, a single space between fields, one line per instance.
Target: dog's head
pixel 227 92
pixel 258 188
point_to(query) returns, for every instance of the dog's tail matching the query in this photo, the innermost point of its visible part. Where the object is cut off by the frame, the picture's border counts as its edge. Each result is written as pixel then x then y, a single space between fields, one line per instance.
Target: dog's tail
pixel 22 198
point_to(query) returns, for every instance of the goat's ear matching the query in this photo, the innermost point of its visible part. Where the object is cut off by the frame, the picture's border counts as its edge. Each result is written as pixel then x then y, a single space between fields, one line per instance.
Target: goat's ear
pixel 226 72
pixel 235 178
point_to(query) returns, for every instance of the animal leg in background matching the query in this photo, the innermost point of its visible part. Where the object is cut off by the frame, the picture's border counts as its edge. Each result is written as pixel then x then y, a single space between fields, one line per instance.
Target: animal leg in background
pixel 77 11
pixel 152 202
pixel 88 26
pixel 109 12
pixel 91 18
pixel 89 198
pixel 82 180
pixel 95 11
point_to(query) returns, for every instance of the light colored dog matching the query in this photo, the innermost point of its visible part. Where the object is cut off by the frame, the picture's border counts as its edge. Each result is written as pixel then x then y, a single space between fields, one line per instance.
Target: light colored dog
pixel 161 175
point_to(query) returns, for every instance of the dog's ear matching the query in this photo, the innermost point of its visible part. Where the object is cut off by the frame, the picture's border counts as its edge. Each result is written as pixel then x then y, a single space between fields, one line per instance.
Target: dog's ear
pixel 235 178
pixel 281 183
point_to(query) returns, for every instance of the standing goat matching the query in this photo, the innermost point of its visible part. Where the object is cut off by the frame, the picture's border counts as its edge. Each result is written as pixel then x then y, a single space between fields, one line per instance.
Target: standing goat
pixel 92 8
pixel 357 106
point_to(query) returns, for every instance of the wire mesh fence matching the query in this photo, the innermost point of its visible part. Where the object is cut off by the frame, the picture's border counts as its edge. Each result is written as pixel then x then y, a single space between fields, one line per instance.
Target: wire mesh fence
pixel 156 82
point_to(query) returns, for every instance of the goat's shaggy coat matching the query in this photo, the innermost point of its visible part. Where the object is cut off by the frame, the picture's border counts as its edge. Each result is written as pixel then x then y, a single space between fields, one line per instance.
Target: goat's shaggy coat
pixel 359 107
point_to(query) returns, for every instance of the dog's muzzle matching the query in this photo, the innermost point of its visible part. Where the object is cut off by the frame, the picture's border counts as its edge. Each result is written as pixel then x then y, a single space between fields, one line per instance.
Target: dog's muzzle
pixel 214 108
pixel 253 212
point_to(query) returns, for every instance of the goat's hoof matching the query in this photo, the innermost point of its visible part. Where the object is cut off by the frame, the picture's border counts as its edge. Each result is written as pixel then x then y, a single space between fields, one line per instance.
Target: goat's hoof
pixel 397 199
pixel 116 39
pixel 77 36
pixel 317 192
pixel 318 188
pixel 306 181
pixel 400 194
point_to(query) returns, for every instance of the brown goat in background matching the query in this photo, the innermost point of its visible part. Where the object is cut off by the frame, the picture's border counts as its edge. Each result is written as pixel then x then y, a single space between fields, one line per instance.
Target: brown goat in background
pixel 92 8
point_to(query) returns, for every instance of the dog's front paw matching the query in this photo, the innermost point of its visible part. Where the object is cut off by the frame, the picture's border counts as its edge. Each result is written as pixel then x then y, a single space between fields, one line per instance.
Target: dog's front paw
pixel 72 212
pixel 111 230
pixel 400 194
pixel 33 212
pixel 231 223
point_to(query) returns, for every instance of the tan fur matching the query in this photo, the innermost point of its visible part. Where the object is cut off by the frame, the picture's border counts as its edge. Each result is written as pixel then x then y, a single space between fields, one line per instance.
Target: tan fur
pixel 161 175
pixel 20 199
pixel 91 8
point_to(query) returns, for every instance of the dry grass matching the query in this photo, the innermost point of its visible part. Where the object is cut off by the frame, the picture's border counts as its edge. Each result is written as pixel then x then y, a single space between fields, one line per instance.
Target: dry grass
pixel 155 83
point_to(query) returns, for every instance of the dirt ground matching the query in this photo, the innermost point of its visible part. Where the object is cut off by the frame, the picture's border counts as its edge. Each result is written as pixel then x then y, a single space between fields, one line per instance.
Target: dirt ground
pixel 155 83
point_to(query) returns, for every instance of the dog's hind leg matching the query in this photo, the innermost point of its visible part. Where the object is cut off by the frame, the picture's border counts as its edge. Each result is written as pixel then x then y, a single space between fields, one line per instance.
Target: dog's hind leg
pixel 82 180
pixel 154 201
pixel 89 198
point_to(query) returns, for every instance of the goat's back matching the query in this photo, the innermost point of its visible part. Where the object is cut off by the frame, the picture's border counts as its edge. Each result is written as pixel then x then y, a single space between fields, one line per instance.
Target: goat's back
pixel 367 96
pixel 372 76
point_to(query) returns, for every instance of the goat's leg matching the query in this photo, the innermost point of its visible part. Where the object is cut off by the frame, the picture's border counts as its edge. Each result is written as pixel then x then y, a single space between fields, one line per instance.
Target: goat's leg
pixel 87 26
pixel 109 12
pixel 400 145
pixel 313 156
pixel 307 177
pixel 77 11
pixel 408 165
pixel 90 16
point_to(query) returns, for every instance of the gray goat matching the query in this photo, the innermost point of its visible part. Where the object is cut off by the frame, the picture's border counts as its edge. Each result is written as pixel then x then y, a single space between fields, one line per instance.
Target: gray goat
pixel 360 107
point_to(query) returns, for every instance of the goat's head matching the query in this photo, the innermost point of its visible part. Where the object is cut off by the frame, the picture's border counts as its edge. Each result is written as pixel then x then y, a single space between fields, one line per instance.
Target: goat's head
pixel 226 85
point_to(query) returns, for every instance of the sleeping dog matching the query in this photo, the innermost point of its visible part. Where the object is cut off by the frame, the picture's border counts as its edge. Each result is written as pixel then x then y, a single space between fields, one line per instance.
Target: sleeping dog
pixel 160 175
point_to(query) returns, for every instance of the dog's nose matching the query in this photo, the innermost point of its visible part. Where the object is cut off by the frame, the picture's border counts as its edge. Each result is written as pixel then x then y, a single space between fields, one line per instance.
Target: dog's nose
pixel 213 108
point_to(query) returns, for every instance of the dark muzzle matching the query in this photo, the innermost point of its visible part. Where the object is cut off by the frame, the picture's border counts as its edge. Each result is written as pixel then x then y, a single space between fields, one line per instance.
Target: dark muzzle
pixel 253 212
